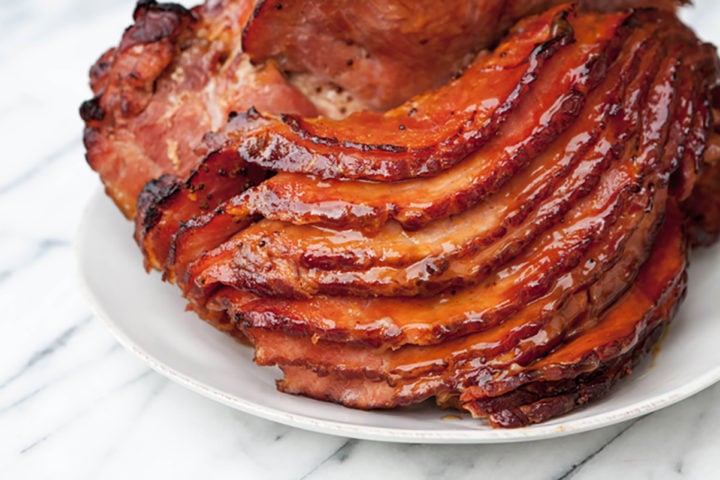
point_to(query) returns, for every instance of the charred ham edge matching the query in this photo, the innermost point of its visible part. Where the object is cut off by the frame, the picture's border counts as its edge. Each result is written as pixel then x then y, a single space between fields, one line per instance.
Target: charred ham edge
pixel 547 400
pixel 157 26
pixel 703 211
pixel 367 145
pixel 338 204
pixel 123 81
pixel 641 323
pixel 446 254
pixel 190 244
pixel 176 75
pixel 702 69
pixel 414 320
pixel 166 204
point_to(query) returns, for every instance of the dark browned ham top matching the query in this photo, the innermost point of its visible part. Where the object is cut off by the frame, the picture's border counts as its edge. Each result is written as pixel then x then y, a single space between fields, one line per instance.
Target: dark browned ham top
pixel 387 52
pixel 166 203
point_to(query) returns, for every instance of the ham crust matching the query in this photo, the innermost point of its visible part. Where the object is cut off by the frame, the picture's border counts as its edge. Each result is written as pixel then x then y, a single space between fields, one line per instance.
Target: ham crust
pixel 176 75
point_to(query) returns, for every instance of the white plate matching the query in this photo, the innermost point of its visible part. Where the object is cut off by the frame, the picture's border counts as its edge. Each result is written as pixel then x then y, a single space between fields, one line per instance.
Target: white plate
pixel 147 316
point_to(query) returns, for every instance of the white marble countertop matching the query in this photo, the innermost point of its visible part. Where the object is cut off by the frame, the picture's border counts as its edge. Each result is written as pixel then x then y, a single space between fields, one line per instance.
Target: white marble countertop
pixel 74 404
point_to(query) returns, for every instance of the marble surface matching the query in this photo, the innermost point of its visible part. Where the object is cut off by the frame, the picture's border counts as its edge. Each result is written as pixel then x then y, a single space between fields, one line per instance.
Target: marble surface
pixel 74 404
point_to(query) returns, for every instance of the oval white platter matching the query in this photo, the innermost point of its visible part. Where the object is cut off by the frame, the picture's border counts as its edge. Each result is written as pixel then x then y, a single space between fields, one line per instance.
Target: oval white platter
pixel 148 317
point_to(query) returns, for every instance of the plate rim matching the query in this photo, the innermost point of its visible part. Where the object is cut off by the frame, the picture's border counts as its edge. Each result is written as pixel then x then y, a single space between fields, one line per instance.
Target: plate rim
pixel 364 432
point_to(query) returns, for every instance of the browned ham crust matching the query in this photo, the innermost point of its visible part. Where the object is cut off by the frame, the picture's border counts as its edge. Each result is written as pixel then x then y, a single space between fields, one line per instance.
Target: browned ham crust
pixel 176 75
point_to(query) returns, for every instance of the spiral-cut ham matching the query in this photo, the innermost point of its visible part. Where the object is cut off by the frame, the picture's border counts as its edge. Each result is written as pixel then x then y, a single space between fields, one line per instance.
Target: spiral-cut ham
pixel 510 241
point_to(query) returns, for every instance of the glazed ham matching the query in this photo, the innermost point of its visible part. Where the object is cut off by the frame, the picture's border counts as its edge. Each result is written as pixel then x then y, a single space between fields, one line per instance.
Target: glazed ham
pixel 504 230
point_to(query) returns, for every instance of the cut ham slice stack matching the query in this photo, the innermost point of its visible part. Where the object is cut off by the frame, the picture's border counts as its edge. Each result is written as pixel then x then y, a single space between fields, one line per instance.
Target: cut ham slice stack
pixel 509 243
